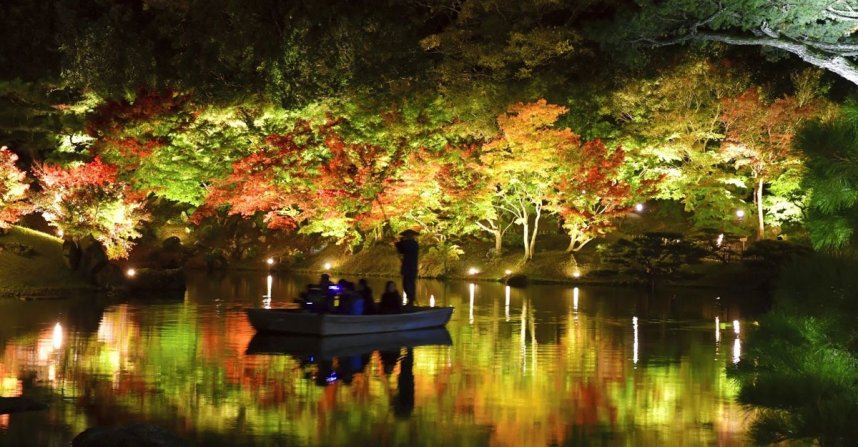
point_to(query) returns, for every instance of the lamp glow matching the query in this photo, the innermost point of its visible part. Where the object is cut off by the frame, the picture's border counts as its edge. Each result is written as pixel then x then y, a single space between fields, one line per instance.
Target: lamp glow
pixel 576 273
pixel 431 300
pixel 270 261
pixel 130 273
pixel 740 214
pixel 473 271
pixel 327 266
pixel 507 272
pixel 639 207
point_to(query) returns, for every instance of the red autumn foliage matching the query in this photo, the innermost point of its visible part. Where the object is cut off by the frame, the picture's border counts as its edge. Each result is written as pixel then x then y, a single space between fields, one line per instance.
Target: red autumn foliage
pixel 88 199
pixel 287 186
pixel 112 116
pixel 591 194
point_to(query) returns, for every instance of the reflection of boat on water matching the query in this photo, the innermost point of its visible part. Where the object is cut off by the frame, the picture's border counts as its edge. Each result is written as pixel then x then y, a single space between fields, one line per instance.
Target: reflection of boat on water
pixel 345 345
pixel 304 322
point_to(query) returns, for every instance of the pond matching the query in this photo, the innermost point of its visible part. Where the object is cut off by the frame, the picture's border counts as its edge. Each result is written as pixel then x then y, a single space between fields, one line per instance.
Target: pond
pixel 544 365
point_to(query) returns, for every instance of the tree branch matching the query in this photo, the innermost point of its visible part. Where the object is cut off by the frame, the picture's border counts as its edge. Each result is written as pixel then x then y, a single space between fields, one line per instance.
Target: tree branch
pixel 835 63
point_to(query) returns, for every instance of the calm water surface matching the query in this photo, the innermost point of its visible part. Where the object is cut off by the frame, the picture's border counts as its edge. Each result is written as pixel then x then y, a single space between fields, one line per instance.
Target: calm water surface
pixel 546 365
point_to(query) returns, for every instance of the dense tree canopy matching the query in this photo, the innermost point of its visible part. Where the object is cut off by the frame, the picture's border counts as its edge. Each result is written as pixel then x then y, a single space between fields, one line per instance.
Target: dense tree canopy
pixel 353 120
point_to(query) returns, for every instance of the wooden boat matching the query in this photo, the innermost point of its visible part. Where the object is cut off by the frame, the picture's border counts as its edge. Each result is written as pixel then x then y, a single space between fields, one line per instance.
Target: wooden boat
pixel 326 348
pixel 305 322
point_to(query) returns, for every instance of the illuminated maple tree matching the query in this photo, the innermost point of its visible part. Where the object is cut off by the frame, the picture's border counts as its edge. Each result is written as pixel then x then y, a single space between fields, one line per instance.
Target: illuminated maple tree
pixel 13 189
pixel 591 192
pixel 759 139
pixel 87 199
pixel 521 162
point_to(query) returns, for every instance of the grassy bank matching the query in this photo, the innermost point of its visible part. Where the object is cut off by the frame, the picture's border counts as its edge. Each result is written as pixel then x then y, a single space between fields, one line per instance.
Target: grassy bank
pixel 31 265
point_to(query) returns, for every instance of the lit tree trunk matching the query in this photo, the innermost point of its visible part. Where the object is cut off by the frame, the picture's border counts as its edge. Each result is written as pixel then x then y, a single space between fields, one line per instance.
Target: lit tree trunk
pixel 538 213
pixel 571 247
pixel 498 242
pixel 526 240
pixel 761 223
pixel 525 226
pixel 495 230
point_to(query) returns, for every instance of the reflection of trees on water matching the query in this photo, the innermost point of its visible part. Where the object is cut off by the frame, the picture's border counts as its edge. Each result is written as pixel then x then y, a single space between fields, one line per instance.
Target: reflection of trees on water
pixel 531 369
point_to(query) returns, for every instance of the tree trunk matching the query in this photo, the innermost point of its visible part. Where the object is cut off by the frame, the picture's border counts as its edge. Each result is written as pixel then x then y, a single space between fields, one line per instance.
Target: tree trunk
pixel 535 229
pixel 571 247
pixel 761 223
pixel 498 242
pixel 525 229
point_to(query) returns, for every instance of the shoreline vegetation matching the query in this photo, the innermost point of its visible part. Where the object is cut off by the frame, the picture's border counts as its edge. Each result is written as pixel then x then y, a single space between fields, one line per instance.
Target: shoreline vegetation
pixel 32 266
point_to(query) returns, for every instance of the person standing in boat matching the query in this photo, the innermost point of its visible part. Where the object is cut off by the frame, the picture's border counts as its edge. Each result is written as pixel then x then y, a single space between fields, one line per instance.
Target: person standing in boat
pixel 408 251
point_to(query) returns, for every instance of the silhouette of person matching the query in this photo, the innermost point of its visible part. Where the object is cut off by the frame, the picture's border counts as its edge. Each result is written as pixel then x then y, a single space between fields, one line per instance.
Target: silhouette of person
pixel 408 252
pixel 366 292
pixel 388 361
pixel 391 299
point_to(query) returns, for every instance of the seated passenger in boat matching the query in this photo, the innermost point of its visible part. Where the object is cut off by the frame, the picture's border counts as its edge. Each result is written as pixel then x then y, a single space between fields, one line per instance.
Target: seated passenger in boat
pixel 366 292
pixel 351 302
pixel 391 300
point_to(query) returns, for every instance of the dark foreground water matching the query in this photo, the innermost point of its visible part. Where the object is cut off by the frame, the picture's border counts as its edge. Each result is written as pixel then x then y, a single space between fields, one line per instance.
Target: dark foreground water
pixel 546 365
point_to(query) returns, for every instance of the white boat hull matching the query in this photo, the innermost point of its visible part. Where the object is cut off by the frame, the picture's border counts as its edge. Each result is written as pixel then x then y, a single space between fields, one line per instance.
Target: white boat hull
pixel 304 322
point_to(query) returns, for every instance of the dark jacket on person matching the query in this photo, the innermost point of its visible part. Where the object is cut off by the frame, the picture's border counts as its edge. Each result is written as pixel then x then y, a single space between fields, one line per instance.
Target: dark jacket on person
pixel 408 248
pixel 391 303
pixel 368 303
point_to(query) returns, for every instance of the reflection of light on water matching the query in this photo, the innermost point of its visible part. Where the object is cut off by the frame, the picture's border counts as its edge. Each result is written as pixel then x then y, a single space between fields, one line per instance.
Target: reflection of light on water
pixel 404 298
pixel 523 336
pixel 57 339
pixel 52 372
pixel 431 300
pixel 10 386
pixel 736 326
pixel 737 350
pixel 575 293
pixel 717 331
pixel 506 303
pixel 471 289
pixel 266 300
pixel 635 345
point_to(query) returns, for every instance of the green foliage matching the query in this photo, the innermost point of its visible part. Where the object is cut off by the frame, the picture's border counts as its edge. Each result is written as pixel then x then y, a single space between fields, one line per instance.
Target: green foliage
pixel 831 148
pixel 13 189
pixel 802 366
pixel 670 127
pixel 652 256
pixel 770 256
pixel 821 33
